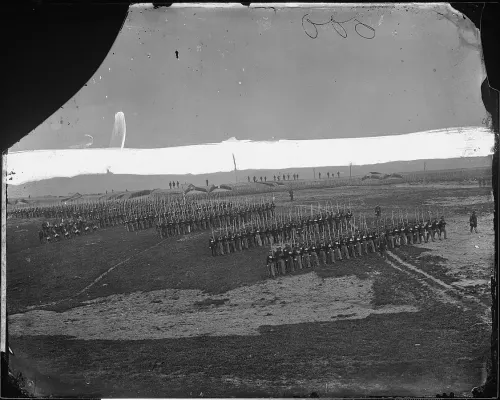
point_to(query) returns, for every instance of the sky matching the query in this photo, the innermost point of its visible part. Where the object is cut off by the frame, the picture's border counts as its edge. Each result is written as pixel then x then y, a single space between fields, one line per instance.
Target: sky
pixel 192 76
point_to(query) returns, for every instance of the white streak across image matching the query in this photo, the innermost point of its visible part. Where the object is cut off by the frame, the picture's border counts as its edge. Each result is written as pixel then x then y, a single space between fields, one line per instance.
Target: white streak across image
pixel 218 157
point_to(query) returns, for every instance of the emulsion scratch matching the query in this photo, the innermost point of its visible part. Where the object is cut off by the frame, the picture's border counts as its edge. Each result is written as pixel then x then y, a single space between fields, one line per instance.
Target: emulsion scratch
pixel 283 154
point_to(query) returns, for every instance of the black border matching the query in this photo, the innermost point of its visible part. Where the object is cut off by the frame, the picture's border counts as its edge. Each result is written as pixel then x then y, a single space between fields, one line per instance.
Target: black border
pixel 50 53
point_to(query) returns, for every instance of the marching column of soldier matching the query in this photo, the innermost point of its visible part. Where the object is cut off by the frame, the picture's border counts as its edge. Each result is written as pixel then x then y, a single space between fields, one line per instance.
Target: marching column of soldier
pixel 300 241
pixel 66 229
pixel 170 216
pixel 210 216
pixel 311 251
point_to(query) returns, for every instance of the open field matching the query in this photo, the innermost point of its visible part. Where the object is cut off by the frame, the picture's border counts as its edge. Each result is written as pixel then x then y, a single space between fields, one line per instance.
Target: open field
pixel 119 314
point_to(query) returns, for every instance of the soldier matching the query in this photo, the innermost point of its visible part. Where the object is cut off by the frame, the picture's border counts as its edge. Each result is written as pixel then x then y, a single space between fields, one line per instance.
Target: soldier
pixel 313 255
pixel 232 244
pixel 258 237
pixel 297 258
pixel 248 238
pixel 316 225
pixel 275 233
pixel 237 240
pixel 369 242
pixel 428 230
pixel 395 235
pixel 280 261
pixel 304 255
pixel 285 258
pixel 389 237
pixel 330 221
pixel 322 254
pixel 337 220
pixel 290 259
pixel 376 240
pixel 348 217
pixel 343 248
pixel 364 243
pixel 254 236
pixel 383 246
pixel 226 242
pixel 165 229
pixel 300 231
pixel 269 236
pixel 330 256
pixel 212 246
pixel 319 218
pixel 434 229
pixel 357 243
pixel 220 246
pixel 442 228
pixel 350 246
pixel 421 232
pixel 270 265
pixel 409 234
pixel 473 222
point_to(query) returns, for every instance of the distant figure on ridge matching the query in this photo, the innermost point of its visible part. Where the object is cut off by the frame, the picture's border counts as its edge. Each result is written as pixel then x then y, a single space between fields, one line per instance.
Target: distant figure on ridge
pixel 473 222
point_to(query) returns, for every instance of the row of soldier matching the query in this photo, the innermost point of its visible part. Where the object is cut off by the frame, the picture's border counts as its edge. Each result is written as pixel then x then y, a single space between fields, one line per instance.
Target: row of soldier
pixel 172 224
pixel 292 257
pixel 286 177
pixel 65 230
pixel 109 208
pixel 267 231
pixel 335 226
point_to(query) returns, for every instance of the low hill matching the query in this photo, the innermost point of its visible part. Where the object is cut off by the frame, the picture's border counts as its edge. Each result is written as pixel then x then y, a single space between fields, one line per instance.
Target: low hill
pixel 121 183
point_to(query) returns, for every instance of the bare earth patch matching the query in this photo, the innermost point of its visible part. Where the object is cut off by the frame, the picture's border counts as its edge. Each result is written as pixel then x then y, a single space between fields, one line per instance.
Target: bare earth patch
pixel 469 257
pixel 186 313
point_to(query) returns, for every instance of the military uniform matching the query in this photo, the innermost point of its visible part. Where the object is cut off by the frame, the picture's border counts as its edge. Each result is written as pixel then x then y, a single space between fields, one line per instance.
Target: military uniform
pixel 306 261
pixel 282 258
pixel 473 222
pixel 442 228
pixel 350 247
pixel 313 256
pixel 395 235
pixel 330 256
pixel 212 247
pixel 434 229
pixel 270 265
pixel 357 242
pixel 297 260
pixel 322 254
pixel 428 230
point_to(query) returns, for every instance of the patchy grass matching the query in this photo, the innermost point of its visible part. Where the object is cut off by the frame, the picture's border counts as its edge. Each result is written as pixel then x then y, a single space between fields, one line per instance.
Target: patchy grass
pixel 434 265
pixel 210 302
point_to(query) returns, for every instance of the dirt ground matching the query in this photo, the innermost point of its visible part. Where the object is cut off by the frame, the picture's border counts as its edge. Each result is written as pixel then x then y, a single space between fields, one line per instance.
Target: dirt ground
pixel 118 314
